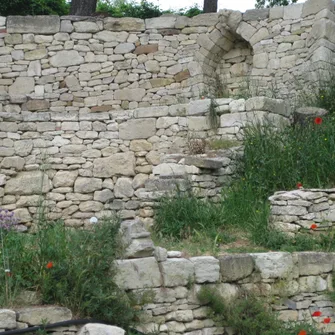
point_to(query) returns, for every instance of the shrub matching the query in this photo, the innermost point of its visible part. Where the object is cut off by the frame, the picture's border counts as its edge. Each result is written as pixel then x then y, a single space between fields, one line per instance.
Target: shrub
pixel 73 268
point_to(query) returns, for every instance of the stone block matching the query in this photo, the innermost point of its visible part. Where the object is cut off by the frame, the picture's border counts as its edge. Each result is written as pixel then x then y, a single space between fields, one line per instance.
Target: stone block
pixel 199 107
pixel 22 85
pixel 109 36
pixel 28 182
pixel 140 248
pixel 124 48
pixel 130 94
pixel 276 13
pixel 207 269
pixel 256 14
pixel 117 164
pixel 293 12
pixel 169 169
pixel 64 178
pixel 66 58
pixel 246 30
pixel 236 267
pixel 151 112
pixel 146 49
pixel 204 20
pixel 87 185
pixel 37 105
pixel 42 24
pixel 315 263
pixel 7 319
pixel 204 162
pixel 311 7
pixel 161 22
pixel 34 316
pixel 276 106
pixel 177 272
pixel 274 264
pixel 138 273
pixel 137 129
pixel 312 284
pixel 124 24
pixel 100 329
pixel 85 27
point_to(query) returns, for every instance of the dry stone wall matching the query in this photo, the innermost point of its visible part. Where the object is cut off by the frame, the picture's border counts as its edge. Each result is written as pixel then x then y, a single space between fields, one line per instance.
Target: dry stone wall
pixel 92 164
pixel 309 211
pixel 296 285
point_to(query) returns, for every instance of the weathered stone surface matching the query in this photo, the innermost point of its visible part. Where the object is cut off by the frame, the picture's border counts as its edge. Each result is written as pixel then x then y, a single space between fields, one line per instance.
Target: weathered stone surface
pixel 312 284
pixel 273 265
pixel 37 105
pixel 313 7
pixel 138 273
pixel 146 49
pixel 137 129
pixel 124 48
pixel 208 19
pixel 23 215
pixel 37 315
pixel 236 267
pixel 33 24
pixel 130 94
pixel 207 269
pixel 177 272
pixel 66 58
pixel 314 263
pixel 36 54
pixel 13 162
pixel 7 319
pixel 22 85
pixel 123 188
pixel 100 329
pixel 28 182
pixel 204 162
pixel 117 164
pixel 64 178
pixel 139 248
pixel 256 14
pixel 109 36
pixel 124 24
pixel 86 27
pixel 87 185
pixel 161 22
pixel 275 106
pixel 169 169
pixel 199 107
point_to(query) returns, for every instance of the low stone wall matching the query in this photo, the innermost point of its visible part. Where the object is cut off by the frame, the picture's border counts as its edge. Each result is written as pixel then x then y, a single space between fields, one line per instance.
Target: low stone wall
pixel 303 211
pixel 96 163
pixel 295 285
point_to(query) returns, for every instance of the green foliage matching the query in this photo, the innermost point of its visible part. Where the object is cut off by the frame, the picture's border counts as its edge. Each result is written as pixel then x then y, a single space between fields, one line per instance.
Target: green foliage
pixel 248 315
pixel 184 214
pixel 273 3
pixel 73 268
pixel 34 7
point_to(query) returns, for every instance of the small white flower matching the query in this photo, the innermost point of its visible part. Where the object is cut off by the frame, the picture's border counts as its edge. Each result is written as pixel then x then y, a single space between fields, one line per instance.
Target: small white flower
pixel 7 270
pixel 93 220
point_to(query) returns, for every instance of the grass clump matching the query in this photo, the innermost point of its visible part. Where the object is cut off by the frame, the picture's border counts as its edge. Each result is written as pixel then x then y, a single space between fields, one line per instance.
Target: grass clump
pixel 249 315
pixel 72 268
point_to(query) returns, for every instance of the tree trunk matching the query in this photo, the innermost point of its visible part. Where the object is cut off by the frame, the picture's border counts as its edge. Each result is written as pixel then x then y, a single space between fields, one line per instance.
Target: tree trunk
pixel 83 7
pixel 210 6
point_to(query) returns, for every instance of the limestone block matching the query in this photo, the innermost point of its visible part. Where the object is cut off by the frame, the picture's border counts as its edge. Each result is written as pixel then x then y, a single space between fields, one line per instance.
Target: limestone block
pixel 203 20
pixel 124 48
pixel 66 58
pixel 72 83
pixel 137 129
pixel 37 105
pixel 166 122
pixel 23 215
pixel 312 284
pixel 139 248
pixel 66 26
pixel 199 107
pixel 228 292
pixel 152 66
pixel 169 169
pixel 314 263
pixel 287 316
pixel 140 145
pixel 151 112
pixel 138 273
pixel 37 315
pixel 123 188
pixel 246 30
pixel 130 94
pixel 90 206
pixel 2 24
pixel 36 54
pixel 117 164
pixel 100 329
pixel 28 182
pixel 261 34
pixel 33 24
pixel 64 178
pixel 124 24
pixel 207 269
pixel 256 14
pixel 236 106
pixel 7 319
pixel 287 62
pixel 147 49
pixel 109 36
pixel 288 210
pixel 87 185
pixel 261 60
pixel 324 29
pixel 236 267
pixel 204 162
pixel 103 196
pixel 177 272
pixel 85 27
pixel 276 13
pixel 34 69
pixel 160 254
pixel 23 147
pixel 276 106
pixel 22 85
pixel 161 22
pixel 313 7
pixel 273 265
pixel 13 162
pixel 293 12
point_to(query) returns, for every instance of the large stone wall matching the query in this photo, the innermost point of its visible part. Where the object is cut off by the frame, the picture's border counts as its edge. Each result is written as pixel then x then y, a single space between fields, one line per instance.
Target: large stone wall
pixel 91 164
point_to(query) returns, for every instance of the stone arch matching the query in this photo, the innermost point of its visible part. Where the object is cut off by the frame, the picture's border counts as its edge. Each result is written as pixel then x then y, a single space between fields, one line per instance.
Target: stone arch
pixel 226 54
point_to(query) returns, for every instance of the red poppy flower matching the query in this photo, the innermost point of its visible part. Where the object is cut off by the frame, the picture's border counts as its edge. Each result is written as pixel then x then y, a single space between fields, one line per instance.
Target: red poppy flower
pixel 299 185
pixel 314 226
pixel 49 265
pixel 318 120
pixel 302 332
pixel 317 313
pixel 326 320
pixel 9 274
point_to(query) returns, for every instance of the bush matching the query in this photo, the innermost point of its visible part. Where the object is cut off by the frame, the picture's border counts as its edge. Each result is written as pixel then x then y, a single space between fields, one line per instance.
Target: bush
pixel 72 268
pixel 185 214
pixel 34 7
